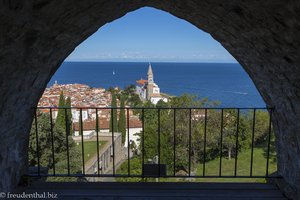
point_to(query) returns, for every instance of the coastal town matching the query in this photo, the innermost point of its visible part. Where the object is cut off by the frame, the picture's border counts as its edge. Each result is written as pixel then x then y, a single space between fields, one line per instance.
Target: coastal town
pixel 84 96
pixel 81 96
pixel 84 100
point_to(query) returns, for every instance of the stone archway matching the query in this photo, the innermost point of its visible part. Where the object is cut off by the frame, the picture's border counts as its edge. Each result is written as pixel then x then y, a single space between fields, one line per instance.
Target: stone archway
pixel 36 36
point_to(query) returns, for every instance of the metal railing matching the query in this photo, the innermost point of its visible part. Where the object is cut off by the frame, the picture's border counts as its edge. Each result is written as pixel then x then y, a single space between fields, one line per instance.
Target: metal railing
pixel 184 121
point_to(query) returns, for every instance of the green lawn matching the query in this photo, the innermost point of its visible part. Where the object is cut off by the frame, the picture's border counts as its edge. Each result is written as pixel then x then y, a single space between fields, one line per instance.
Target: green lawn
pixel 90 148
pixel 212 168
pixel 243 166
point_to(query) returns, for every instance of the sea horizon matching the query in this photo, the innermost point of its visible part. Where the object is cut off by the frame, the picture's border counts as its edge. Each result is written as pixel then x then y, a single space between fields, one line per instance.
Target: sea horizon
pixel 137 61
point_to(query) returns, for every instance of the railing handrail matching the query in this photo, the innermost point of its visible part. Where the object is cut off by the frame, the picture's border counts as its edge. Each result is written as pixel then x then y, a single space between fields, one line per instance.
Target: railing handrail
pixel 167 108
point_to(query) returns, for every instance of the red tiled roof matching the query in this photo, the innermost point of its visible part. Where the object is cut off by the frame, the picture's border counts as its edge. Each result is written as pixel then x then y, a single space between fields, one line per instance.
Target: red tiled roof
pixel 104 124
pixel 141 81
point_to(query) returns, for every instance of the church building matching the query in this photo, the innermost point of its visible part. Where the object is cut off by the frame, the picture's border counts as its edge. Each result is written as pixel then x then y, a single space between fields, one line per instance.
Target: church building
pixel 148 89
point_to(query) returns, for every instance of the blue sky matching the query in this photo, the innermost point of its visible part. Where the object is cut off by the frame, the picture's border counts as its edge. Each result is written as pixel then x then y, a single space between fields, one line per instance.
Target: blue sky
pixel 150 35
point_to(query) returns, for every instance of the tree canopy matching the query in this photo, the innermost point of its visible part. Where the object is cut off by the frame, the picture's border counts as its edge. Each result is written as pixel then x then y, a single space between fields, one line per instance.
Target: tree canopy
pixel 52 141
pixel 122 120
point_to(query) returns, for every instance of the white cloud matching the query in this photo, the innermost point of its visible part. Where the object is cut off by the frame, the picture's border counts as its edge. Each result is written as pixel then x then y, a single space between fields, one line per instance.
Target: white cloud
pixel 144 56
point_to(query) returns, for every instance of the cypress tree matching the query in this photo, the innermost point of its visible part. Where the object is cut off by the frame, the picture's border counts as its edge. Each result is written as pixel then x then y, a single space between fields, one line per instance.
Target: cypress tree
pixel 69 114
pixel 79 124
pixel 122 120
pixel 113 117
pixel 60 119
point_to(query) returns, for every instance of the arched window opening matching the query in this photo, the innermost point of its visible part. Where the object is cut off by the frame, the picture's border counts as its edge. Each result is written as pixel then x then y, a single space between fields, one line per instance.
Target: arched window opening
pixel 150 95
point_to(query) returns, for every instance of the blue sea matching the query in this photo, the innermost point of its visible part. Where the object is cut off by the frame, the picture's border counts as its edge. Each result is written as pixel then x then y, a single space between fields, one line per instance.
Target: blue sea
pixel 224 82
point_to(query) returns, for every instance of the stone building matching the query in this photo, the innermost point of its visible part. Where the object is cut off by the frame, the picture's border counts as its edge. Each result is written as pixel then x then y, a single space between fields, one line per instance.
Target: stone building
pixel 89 127
pixel 148 89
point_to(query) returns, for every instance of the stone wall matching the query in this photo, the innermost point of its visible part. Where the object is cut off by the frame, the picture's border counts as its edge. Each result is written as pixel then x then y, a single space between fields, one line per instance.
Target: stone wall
pixel 37 35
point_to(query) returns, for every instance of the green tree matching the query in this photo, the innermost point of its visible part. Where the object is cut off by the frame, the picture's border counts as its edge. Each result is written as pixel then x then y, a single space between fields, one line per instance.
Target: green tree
pixel 45 150
pixel 183 135
pixel 122 120
pixel 229 131
pixel 113 124
pixel 75 160
pixel 44 141
pixel 111 89
pixel 69 115
pixel 165 132
pixel 261 126
pixel 131 98
pixel 60 119
pixel 80 123
pixel 129 90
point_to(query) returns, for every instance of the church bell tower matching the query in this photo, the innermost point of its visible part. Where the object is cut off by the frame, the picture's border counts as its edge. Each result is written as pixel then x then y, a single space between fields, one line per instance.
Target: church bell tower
pixel 150 82
pixel 150 74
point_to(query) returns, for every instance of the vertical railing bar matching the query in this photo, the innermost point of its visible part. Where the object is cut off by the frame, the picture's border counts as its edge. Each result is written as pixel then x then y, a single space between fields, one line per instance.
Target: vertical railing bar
pixel 237 141
pixel 143 141
pixel 269 142
pixel 158 132
pixel 97 133
pixel 67 140
pixel 37 142
pixel 221 142
pixel 204 145
pixel 82 144
pixel 190 140
pixel 174 141
pixel 113 139
pixel 128 145
pixel 252 142
pixel 52 140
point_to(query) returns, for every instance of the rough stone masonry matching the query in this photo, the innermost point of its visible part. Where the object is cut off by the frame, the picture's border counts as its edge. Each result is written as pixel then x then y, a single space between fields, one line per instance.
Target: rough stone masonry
pixel 37 35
